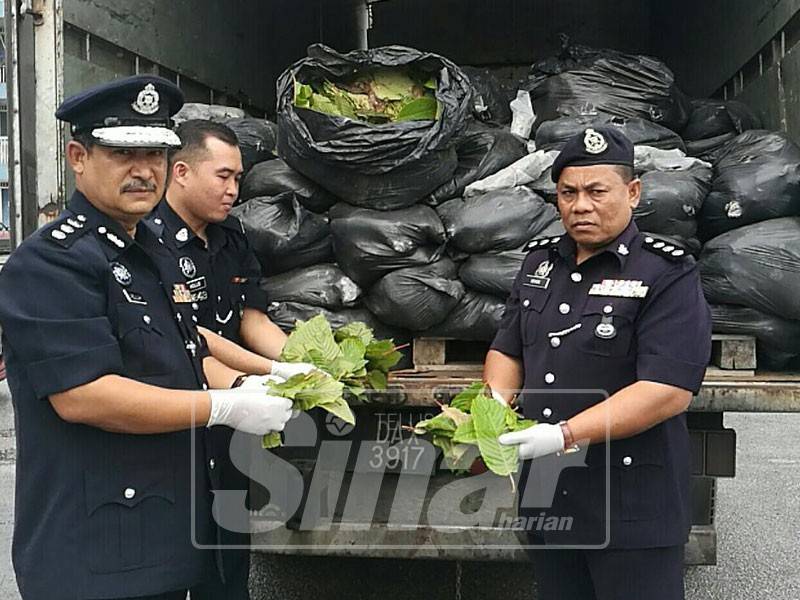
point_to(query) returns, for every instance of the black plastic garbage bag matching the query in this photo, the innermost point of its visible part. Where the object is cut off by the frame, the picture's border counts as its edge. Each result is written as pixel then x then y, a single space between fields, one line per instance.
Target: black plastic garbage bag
pixel 323 285
pixel 490 99
pixel 207 112
pixel 671 201
pixel 257 139
pixel 416 298
pixel 552 135
pixel 370 243
pixel 582 79
pixel 712 123
pixel 503 219
pixel 283 234
pixel 481 152
pixel 492 273
pixel 275 177
pixel 757 177
pixel 377 166
pixel 778 340
pixel 757 266
pixel 476 317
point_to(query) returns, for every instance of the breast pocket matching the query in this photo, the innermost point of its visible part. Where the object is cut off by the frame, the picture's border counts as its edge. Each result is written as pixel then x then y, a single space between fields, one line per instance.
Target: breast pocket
pixel 532 302
pixel 129 516
pixel 142 342
pixel 608 326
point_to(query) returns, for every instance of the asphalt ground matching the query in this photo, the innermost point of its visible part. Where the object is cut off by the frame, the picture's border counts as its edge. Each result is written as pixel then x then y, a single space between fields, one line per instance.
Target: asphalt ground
pixel 757 513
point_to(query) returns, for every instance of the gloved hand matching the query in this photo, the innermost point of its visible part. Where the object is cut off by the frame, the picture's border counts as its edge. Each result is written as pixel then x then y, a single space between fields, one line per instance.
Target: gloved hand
pixel 249 410
pixel 536 441
pixel 257 382
pixel 286 370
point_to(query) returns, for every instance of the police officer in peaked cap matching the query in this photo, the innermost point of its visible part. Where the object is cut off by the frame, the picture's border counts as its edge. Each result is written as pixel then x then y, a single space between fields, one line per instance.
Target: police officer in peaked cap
pixel 109 377
pixel 607 335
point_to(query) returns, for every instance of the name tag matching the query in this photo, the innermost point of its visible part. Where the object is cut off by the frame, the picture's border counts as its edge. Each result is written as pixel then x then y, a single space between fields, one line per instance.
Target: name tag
pixel 619 288
pixel 537 282
pixel 195 285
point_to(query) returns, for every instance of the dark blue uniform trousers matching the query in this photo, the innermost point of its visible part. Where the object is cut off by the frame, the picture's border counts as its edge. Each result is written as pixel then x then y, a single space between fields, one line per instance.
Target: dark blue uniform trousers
pixel 637 574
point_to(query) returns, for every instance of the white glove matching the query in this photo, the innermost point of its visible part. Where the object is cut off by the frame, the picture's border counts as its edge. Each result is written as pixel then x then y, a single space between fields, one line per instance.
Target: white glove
pixel 259 381
pixel 286 370
pixel 536 441
pixel 249 410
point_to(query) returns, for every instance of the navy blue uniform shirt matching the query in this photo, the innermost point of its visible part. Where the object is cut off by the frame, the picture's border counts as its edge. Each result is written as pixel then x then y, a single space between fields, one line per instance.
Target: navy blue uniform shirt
pixel 222 275
pixel 100 514
pixel 633 312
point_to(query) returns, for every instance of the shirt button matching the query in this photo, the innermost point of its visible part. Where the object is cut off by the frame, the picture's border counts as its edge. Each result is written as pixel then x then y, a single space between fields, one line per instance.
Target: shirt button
pixel 627 461
pixel 526 303
pixel 157 221
pixel 178 317
pixel 129 493
pixel 219 331
pixel 205 386
pixel 212 463
pixel 195 306
pixel 194 318
pixel 608 309
pixel 547 412
pixel 555 342
pixel 563 308
pixel 549 378
pixel 219 298
pixel 576 277
pixel 146 319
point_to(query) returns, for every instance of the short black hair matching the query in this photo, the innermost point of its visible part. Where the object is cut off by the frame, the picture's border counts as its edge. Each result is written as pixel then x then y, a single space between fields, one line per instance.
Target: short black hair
pixel 84 138
pixel 193 134
pixel 626 172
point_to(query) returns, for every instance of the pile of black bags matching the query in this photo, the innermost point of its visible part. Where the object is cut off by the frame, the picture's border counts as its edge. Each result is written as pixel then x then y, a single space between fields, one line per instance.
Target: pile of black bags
pixel 376 222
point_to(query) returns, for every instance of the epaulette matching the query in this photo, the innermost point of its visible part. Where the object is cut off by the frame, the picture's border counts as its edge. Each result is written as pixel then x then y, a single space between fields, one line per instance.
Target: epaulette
pixel 66 230
pixel 540 243
pixel 666 248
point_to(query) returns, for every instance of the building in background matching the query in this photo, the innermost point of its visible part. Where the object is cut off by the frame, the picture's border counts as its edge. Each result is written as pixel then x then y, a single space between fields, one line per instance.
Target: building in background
pixel 5 216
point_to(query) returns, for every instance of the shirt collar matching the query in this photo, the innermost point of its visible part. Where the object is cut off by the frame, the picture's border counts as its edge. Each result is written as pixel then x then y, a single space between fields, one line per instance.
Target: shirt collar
pixel 178 231
pixel 620 247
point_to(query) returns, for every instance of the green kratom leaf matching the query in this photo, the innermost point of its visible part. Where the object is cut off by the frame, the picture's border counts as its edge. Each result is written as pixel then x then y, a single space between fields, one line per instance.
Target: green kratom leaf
pixel 313 334
pixel 490 422
pixel 341 409
pixel 377 380
pixel 382 355
pixel 463 400
pixel 419 109
pixel 356 329
pixel 271 440
pixel 465 433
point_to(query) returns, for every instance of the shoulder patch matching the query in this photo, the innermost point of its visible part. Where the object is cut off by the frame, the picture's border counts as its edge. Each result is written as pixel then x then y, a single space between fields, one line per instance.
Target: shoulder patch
pixel 540 243
pixel 65 230
pixel 663 247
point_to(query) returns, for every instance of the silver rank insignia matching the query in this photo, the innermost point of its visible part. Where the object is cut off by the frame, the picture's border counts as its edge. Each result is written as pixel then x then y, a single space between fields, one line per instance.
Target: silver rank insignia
pixel 147 101
pixel 620 288
pixel 187 267
pixel 182 235
pixel 121 274
pixel 594 142
pixel 541 277
pixel 623 250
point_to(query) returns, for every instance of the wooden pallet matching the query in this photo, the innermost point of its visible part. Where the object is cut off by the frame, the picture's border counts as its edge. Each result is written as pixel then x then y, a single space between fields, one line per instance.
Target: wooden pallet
pixel 731 355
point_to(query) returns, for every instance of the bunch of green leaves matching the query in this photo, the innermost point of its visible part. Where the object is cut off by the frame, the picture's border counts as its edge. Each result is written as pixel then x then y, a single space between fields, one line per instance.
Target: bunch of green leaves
pixel 469 427
pixel 382 95
pixel 351 355
pixel 307 391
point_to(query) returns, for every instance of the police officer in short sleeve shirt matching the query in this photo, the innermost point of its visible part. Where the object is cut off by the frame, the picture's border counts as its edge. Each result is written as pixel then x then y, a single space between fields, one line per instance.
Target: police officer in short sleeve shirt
pixel 608 335
pixel 113 491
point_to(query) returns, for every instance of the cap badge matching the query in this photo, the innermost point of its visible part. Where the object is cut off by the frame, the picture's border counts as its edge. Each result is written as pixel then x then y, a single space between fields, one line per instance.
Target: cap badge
pixel 147 101
pixel 594 142
pixel 187 267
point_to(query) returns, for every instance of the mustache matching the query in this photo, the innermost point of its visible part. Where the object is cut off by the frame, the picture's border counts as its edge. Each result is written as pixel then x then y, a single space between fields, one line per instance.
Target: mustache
pixel 138 185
